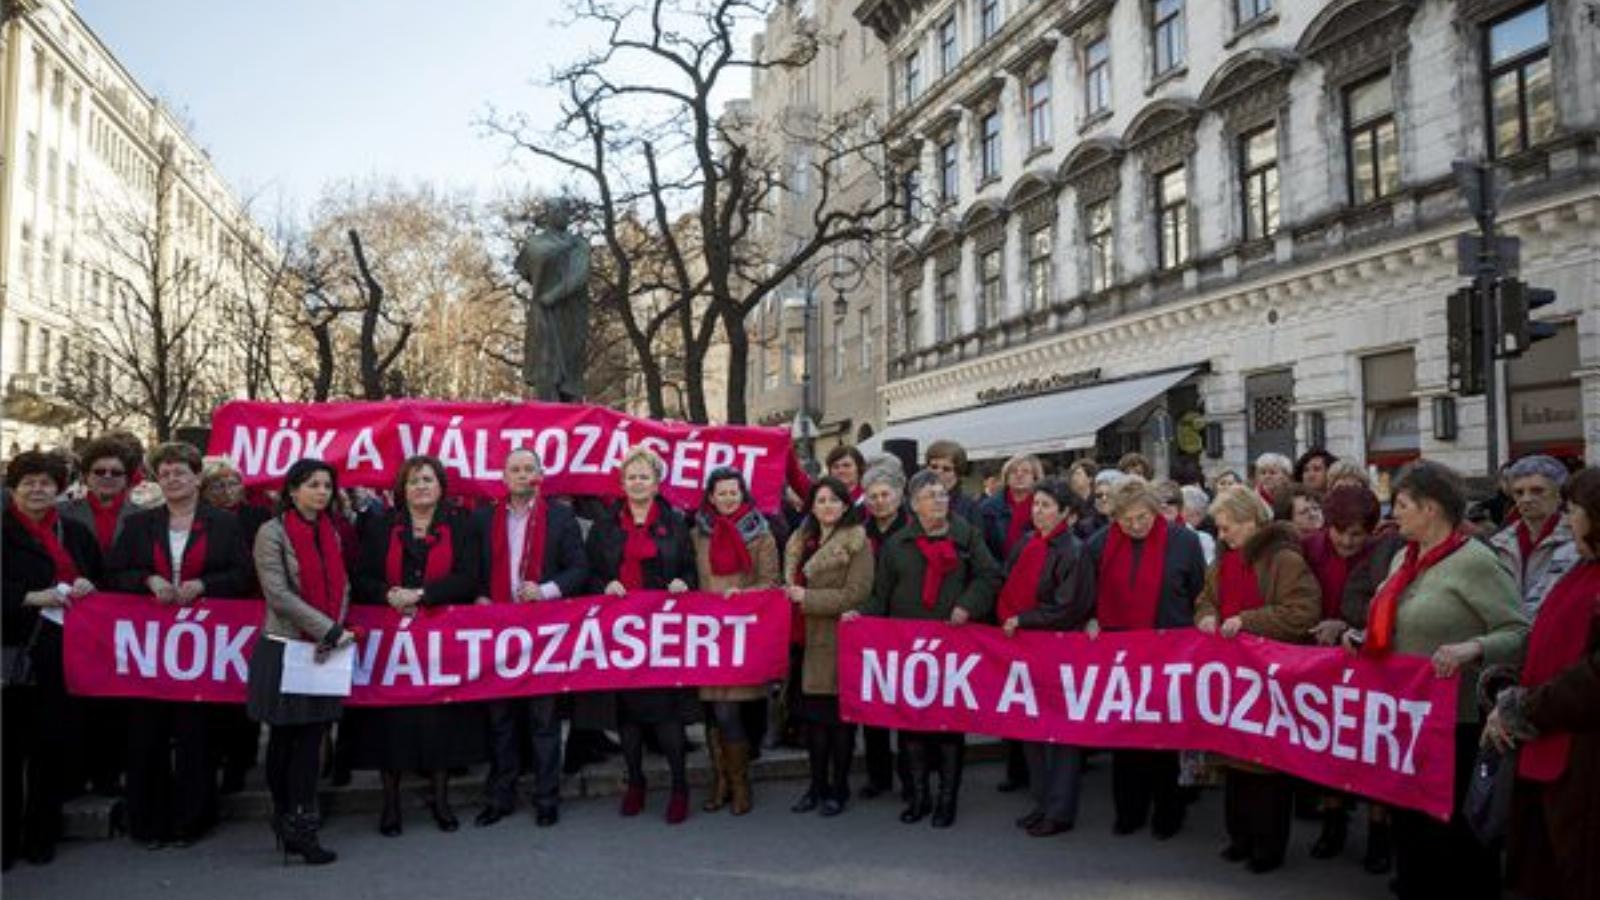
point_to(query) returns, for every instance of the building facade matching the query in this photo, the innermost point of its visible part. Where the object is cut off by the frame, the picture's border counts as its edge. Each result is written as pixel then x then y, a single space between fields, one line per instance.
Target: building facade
pixel 95 166
pixel 1209 230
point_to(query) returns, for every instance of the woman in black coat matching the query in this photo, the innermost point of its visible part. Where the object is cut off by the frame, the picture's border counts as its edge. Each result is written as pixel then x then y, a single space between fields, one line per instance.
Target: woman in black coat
pixel 49 561
pixel 420 554
pixel 644 544
pixel 177 553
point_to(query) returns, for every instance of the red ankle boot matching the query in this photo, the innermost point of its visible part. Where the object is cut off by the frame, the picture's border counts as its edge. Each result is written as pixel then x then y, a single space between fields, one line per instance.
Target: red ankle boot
pixel 678 806
pixel 633 799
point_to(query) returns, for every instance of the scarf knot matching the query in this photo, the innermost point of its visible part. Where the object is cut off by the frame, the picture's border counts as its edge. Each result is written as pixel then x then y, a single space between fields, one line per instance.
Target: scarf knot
pixel 638 546
pixel 940 558
pixel 318 552
pixel 1130 596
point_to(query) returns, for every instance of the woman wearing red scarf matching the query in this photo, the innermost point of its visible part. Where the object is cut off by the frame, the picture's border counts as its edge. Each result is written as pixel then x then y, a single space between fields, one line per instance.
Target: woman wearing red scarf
pixel 828 570
pixel 1446 597
pixel 643 544
pixel 1050 587
pixel 937 568
pixel 1537 549
pixel 177 553
pixel 1555 716
pixel 1007 516
pixel 885 508
pixel 1147 576
pixel 422 554
pixel 49 561
pixel 734 550
pixel 1259 585
pixel 848 465
pixel 301 570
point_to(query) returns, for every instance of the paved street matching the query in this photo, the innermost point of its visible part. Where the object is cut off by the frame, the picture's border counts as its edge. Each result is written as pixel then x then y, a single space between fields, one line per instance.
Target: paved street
pixel 770 854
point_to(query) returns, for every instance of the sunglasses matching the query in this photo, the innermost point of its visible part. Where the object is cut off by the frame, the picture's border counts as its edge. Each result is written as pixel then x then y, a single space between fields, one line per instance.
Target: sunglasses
pixel 110 473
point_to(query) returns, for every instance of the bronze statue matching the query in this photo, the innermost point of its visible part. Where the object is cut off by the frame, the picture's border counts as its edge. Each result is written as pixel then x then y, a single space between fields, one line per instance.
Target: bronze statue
pixel 556 263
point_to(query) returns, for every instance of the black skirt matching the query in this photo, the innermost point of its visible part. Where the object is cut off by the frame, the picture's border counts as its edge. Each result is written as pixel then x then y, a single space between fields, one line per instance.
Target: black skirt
pixel 658 706
pixel 441 736
pixel 267 704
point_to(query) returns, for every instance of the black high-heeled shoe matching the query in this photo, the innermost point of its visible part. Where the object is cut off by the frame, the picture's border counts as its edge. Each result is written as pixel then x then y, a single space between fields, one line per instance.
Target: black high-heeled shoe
pixel 445 819
pixel 389 821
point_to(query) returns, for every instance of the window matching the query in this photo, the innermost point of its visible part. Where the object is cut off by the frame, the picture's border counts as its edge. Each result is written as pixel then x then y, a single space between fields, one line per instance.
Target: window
pixel 949 51
pixel 838 348
pixel 58 87
pixel 913 77
pixel 1373 148
pixel 1097 75
pixel 1250 10
pixel 47 269
pixel 1099 228
pixel 1166 30
pixel 908 320
pixel 1522 105
pixel 27 256
pixel 52 172
pixel 24 345
pixel 72 188
pixel 991 145
pixel 1258 160
pixel 864 329
pixel 1039 252
pixel 991 290
pixel 67 271
pixel 43 367
pixel 944 311
pixel 948 172
pixel 988 19
pixel 1039 113
pixel 911 194
pixel 31 155
pixel 802 172
pixel 794 354
pixel 771 361
pixel 1172 217
pixel 63 354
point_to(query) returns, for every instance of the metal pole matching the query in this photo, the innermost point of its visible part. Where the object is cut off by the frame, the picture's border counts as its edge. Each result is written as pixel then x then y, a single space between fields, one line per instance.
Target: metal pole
pixel 1488 272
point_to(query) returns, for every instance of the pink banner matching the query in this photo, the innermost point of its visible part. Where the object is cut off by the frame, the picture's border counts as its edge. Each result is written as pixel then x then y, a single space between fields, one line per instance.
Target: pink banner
pixel 119 645
pixel 1381 729
pixel 581 446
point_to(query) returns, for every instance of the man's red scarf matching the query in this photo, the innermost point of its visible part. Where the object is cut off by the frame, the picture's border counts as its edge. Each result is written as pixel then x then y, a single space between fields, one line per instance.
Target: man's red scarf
pixel 441 553
pixel 1560 633
pixel 1021 520
pixel 729 555
pixel 939 555
pixel 321 558
pixel 105 518
pixel 530 567
pixel 1129 596
pixel 44 530
pixel 194 555
pixel 1237 587
pixel 638 547
pixel 1386 605
pixel 1021 590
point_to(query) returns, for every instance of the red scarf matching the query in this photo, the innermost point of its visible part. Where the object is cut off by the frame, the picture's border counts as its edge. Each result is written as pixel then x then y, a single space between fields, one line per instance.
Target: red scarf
pixel 441 553
pixel 1237 587
pixel 105 518
pixel 1560 633
pixel 322 573
pixel 1332 570
pixel 1526 542
pixel 1021 590
pixel 729 555
pixel 1129 597
pixel 639 546
pixel 194 555
pixel 531 565
pixel 940 559
pixel 1386 605
pixel 1021 519
pixel 44 531
pixel 856 493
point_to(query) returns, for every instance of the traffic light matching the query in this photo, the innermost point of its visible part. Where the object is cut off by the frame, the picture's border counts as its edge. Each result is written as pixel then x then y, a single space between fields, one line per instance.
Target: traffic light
pixel 1518 331
pixel 1464 339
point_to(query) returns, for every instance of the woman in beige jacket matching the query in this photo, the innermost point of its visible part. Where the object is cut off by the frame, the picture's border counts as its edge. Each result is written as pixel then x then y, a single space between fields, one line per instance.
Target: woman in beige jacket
pixel 734 550
pixel 828 568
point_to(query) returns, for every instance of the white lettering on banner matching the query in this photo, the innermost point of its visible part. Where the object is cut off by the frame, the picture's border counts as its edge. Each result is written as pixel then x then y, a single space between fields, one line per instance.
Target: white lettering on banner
pixel 1018 689
pixel 128 644
pixel 183 651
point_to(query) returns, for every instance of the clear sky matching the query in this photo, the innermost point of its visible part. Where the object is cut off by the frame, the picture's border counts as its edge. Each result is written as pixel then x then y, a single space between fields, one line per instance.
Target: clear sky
pixel 289 95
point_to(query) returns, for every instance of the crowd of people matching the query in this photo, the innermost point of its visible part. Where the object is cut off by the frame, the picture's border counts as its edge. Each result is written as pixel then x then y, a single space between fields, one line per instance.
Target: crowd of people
pixel 1506 593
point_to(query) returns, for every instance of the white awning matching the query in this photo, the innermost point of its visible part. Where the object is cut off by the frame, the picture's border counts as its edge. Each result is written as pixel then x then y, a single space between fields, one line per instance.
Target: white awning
pixel 1052 423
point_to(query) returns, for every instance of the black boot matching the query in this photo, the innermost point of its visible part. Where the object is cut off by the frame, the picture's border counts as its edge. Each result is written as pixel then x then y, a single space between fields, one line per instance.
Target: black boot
pixel 921 800
pixel 299 832
pixel 1380 849
pixel 1335 828
pixel 944 808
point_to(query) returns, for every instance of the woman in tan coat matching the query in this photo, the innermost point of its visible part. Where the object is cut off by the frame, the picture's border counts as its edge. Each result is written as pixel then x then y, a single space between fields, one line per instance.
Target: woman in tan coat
pixel 828 567
pixel 1261 585
pixel 734 550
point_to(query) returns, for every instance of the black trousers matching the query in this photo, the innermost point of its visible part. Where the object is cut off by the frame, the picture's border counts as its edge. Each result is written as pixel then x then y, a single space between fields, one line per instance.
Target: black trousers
pixel 102 753
pixel 172 783
pixel 1017 770
pixel 39 728
pixel 235 739
pixel 880 757
pixel 506 717
pixel 1055 772
pixel 294 760
pixel 1258 810
pixel 1141 779
pixel 1443 859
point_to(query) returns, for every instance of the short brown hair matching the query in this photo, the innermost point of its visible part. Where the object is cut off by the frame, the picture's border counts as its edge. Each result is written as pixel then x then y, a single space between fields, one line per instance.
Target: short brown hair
pixel 176 452
pixel 1283 501
pixel 1583 490
pixel 1132 491
pixel 1023 459
pixel 112 446
pixel 37 462
pixel 846 450
pixel 950 450
pixel 1136 464
pixel 1087 465
pixel 1428 480
pixel 411 465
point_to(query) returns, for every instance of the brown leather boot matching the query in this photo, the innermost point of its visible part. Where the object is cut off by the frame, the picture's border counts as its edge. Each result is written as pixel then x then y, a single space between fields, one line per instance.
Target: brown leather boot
pixel 737 758
pixel 718 751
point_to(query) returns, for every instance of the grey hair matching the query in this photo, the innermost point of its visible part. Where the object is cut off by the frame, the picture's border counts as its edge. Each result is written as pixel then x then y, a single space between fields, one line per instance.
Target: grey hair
pixel 1539 464
pixel 1195 498
pixel 922 481
pixel 1109 477
pixel 888 462
pixel 1274 461
pixel 881 474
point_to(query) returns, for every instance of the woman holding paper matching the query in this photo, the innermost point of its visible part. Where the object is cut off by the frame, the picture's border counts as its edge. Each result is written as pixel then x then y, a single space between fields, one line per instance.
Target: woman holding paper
pixel 421 554
pixel 1260 584
pixel 50 561
pixel 300 567
pixel 643 544
pixel 734 550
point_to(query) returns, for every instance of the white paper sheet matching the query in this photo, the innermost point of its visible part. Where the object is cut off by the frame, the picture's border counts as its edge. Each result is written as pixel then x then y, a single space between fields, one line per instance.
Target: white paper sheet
pixel 55 614
pixel 302 674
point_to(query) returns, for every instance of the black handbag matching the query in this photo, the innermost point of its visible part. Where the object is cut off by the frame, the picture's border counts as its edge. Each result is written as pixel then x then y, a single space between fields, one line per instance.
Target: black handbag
pixel 1487 806
pixel 16 668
